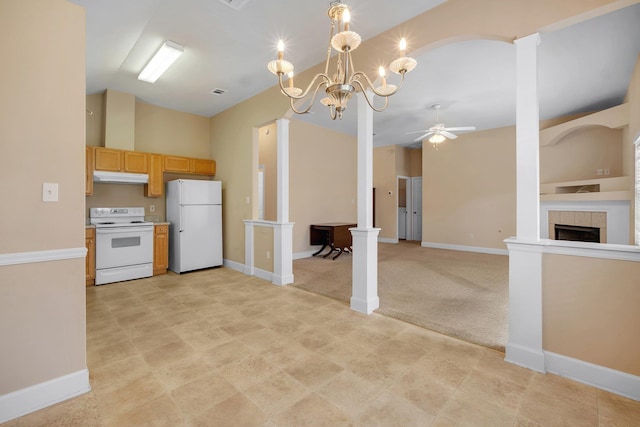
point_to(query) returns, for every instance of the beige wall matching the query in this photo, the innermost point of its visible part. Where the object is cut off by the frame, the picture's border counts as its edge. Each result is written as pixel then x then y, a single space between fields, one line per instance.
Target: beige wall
pixel 323 179
pixel 156 129
pixel 580 154
pixel 385 164
pixel 95 120
pixel 164 131
pixel 590 310
pixel 42 129
pixel 263 248
pixel 119 120
pixel 415 158
pixel 469 190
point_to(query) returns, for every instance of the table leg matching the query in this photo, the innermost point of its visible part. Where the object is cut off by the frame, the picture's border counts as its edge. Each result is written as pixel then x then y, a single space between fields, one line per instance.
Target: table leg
pixel 321 249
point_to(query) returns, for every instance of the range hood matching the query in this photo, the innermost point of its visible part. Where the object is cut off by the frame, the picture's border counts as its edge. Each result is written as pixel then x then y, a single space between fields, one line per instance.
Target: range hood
pixel 120 177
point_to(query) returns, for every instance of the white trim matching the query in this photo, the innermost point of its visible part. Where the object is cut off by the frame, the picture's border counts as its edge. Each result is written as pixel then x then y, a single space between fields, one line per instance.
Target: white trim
pixel 526 357
pixel 593 250
pixel 42 256
pixel 263 274
pixel 617 382
pixel 38 396
pixel 387 240
pixel 491 251
pixel 571 248
pixel 233 265
pixel 301 255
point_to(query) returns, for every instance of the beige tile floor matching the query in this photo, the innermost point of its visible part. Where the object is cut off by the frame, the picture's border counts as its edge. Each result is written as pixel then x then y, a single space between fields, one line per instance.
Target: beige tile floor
pixel 218 348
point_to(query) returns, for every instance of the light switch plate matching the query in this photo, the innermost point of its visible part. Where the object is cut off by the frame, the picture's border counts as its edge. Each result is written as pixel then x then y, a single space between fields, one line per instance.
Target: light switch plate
pixel 49 192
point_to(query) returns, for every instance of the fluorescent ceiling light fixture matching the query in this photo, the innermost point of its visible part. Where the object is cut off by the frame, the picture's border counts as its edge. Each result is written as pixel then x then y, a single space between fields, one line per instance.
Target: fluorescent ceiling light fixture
pixel 164 57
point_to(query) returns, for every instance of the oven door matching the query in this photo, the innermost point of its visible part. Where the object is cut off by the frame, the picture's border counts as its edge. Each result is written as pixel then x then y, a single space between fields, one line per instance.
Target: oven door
pixel 123 246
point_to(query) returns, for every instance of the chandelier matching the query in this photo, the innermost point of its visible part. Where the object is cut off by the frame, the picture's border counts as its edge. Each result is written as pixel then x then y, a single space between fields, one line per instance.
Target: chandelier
pixel 340 87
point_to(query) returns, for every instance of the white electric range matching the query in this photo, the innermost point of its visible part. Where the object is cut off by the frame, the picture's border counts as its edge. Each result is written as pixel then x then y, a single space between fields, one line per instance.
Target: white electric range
pixel 124 244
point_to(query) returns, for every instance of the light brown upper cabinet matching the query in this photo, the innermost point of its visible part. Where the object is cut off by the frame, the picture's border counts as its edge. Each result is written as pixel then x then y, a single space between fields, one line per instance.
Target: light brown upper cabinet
pixel 181 164
pixel 155 186
pixel 109 159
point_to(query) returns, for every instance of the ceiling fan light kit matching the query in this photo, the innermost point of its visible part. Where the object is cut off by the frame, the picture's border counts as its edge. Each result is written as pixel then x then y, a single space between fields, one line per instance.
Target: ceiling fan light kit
pixel 340 87
pixel 438 133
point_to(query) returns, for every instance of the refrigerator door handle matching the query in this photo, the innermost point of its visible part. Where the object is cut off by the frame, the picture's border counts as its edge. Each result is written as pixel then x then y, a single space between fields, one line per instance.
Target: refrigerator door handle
pixel 181 218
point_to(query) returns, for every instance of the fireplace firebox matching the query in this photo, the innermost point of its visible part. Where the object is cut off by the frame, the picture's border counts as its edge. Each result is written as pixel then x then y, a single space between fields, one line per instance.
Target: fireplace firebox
pixel 577 233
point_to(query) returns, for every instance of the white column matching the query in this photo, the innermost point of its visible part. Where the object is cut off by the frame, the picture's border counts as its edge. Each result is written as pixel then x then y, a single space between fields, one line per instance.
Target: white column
pixel 282 229
pixel 282 254
pixel 282 154
pixel 248 247
pixel 364 296
pixel 527 139
pixel 524 345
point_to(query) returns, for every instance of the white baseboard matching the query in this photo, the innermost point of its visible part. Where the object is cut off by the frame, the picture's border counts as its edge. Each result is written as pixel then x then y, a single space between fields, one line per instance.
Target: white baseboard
pixel 617 382
pixel 301 255
pixel 234 265
pixel 387 240
pixel 263 274
pixel 526 357
pixel 35 397
pixel 365 306
pixel 491 251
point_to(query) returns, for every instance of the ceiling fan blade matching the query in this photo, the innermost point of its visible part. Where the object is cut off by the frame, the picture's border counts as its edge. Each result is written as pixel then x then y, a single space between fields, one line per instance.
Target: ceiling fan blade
pixel 461 128
pixel 448 134
pixel 417 131
pixel 422 137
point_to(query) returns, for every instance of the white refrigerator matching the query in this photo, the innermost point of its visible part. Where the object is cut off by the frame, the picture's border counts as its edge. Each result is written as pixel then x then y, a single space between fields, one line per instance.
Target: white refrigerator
pixel 194 213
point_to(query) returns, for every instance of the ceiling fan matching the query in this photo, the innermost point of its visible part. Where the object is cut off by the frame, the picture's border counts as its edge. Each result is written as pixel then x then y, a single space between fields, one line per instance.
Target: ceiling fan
pixel 439 133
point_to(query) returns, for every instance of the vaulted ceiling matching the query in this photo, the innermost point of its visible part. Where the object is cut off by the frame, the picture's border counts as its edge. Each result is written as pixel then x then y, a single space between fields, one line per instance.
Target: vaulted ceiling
pixel 584 67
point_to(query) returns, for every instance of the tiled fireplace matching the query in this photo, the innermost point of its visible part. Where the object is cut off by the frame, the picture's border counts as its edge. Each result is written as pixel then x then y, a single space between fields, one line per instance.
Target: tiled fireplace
pixel 597 220
pixel 610 216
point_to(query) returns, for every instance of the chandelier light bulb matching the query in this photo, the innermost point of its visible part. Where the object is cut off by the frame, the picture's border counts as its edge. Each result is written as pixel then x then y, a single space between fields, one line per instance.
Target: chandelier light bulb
pixel 403 46
pixel 290 75
pixel 280 50
pixel 346 18
pixel 382 76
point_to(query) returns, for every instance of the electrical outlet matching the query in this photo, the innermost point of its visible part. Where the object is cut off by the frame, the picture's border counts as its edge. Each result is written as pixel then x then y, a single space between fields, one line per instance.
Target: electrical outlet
pixel 599 172
pixel 607 172
pixel 152 208
pixel 49 192
pixel 268 254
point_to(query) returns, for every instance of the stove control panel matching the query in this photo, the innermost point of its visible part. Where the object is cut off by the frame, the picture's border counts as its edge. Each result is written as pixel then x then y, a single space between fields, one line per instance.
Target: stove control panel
pixel 116 212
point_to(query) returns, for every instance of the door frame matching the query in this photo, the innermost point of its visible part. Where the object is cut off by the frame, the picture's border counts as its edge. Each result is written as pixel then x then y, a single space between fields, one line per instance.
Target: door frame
pixel 408 197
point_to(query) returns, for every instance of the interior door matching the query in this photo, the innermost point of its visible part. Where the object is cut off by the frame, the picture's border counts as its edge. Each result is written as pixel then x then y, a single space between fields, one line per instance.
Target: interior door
pixel 416 208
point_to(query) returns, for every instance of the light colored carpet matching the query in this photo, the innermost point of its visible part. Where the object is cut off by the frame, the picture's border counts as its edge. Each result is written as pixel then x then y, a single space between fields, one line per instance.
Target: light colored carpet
pixel 459 294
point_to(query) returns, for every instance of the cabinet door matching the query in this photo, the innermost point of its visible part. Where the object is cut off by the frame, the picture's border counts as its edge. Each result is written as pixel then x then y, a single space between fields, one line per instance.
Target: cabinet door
pixel 160 249
pixel 155 186
pixel 90 261
pixel 108 159
pixel 203 166
pixel 88 189
pixel 135 162
pixel 176 164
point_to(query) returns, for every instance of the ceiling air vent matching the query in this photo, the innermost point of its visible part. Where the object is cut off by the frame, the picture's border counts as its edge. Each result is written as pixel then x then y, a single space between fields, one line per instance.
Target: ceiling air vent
pixel 235 4
pixel 218 91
